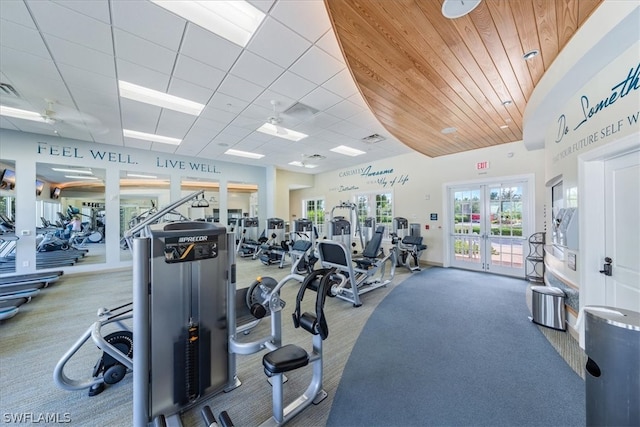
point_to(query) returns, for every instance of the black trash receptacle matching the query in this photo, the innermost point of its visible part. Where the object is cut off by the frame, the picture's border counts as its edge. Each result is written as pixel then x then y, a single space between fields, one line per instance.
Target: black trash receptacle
pixel 612 383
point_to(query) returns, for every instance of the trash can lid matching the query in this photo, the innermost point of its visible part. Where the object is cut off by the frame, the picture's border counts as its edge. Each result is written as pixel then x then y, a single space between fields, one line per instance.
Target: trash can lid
pixel 619 317
pixel 548 290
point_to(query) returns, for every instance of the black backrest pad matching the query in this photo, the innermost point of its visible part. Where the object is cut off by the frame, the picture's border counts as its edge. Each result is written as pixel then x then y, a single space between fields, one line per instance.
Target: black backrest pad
pixel 373 247
pixel 412 240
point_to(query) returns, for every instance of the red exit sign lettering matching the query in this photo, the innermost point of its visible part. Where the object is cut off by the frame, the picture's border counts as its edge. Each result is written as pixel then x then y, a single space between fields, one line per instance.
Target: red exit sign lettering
pixel 482 165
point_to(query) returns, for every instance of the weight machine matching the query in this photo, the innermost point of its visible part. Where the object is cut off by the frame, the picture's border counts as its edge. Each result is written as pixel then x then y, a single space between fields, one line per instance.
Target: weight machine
pixel 363 274
pixel 340 226
pixel 408 243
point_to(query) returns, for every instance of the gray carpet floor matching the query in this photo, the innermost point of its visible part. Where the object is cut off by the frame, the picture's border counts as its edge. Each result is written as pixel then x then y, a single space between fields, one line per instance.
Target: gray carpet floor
pixel 455 348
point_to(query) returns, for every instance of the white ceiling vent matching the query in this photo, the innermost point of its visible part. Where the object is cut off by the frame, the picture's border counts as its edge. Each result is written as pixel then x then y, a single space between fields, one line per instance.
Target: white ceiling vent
pixel 373 139
pixel 299 110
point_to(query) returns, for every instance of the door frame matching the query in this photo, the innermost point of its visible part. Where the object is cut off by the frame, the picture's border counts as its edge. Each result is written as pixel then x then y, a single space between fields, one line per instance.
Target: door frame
pixel 591 244
pixel 446 208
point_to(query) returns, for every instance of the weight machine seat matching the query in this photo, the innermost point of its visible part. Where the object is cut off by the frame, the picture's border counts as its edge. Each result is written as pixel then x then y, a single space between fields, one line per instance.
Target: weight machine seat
pixel 371 250
pixel 301 245
pixel 284 359
pixel 414 241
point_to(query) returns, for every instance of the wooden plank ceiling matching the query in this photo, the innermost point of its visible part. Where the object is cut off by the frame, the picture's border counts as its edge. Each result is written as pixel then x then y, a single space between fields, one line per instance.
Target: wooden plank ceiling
pixel 421 72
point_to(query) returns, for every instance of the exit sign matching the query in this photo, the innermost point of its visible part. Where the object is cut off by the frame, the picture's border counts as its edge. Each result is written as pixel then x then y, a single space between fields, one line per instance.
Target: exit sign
pixel 482 165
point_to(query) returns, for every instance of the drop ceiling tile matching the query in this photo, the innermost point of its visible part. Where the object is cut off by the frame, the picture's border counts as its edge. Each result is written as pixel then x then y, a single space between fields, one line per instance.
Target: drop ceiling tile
pixel 198 72
pixel 322 120
pixel 174 124
pixel 240 88
pixel 357 98
pixel 268 43
pixel 282 102
pixel 80 56
pixel 138 116
pixel 163 148
pixel 137 143
pixel 307 18
pixel 349 129
pixel 329 44
pixel 292 85
pixel 142 52
pixel 67 24
pixel 209 48
pixel 158 26
pixel 94 9
pixel 321 99
pixel 217 115
pixel 190 91
pixel 227 103
pixel 86 80
pixel 317 66
pixel 344 109
pixel 256 69
pixel 263 5
pixel 139 75
pixel 16 11
pixel 341 84
pixel 22 38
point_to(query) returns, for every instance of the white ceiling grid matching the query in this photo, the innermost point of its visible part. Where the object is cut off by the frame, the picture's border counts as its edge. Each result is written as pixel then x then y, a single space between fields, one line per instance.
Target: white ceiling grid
pixel 74 52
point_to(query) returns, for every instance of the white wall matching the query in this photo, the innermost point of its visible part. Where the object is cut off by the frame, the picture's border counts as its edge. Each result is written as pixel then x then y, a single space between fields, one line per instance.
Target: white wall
pixel 417 185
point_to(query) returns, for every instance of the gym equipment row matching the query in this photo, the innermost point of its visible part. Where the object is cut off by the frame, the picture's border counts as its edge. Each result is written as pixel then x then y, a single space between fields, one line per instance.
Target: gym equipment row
pixel 19 289
pixel 409 244
pixel 185 322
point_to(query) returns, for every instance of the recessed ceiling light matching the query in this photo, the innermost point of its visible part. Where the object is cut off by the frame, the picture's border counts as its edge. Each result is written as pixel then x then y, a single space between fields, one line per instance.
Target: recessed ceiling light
pixel 530 54
pixel 150 137
pixel 303 165
pixel 504 126
pixel 449 130
pixel 234 20
pixel 159 99
pixel 507 102
pixel 457 8
pixel 81 177
pixel 347 151
pixel 139 175
pixel 21 114
pixel 80 171
pixel 281 132
pixel 246 154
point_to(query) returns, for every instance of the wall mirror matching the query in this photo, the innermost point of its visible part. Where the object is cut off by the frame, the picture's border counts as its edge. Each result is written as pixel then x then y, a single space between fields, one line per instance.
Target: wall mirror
pixel 69 216
pixel 207 206
pixel 8 238
pixel 141 194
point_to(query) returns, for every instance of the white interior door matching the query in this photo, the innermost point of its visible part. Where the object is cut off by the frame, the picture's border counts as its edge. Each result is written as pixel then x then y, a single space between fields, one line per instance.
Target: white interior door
pixel 622 231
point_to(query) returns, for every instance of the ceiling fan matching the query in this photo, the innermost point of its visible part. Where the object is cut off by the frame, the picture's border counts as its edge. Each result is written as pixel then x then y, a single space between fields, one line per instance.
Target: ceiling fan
pixel 275 119
pixel 54 114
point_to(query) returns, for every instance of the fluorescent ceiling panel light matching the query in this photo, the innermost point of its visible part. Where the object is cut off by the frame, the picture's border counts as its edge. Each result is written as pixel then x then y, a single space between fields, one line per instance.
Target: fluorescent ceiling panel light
pixel 246 154
pixel 159 99
pixel 21 114
pixel 303 165
pixel 80 171
pixel 347 151
pixel 281 132
pixel 234 20
pixel 151 137
pixel 81 177
pixel 138 175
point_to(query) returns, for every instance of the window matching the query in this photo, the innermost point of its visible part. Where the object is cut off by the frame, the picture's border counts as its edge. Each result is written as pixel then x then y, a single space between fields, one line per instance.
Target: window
pixel 314 211
pixel 378 206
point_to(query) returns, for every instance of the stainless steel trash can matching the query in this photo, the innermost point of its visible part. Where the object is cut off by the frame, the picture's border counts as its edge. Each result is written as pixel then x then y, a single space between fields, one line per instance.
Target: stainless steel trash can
pixel 612 379
pixel 547 307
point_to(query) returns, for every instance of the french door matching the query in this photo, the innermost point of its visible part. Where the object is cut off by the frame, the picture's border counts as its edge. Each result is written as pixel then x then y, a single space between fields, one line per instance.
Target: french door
pixel 489 226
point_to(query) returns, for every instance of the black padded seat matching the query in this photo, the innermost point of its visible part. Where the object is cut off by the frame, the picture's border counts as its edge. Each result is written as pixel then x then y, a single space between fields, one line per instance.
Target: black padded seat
pixel 284 359
pixel 414 241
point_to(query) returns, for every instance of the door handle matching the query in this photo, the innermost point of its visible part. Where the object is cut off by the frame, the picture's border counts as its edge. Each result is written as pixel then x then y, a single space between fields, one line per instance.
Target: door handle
pixel 607 268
